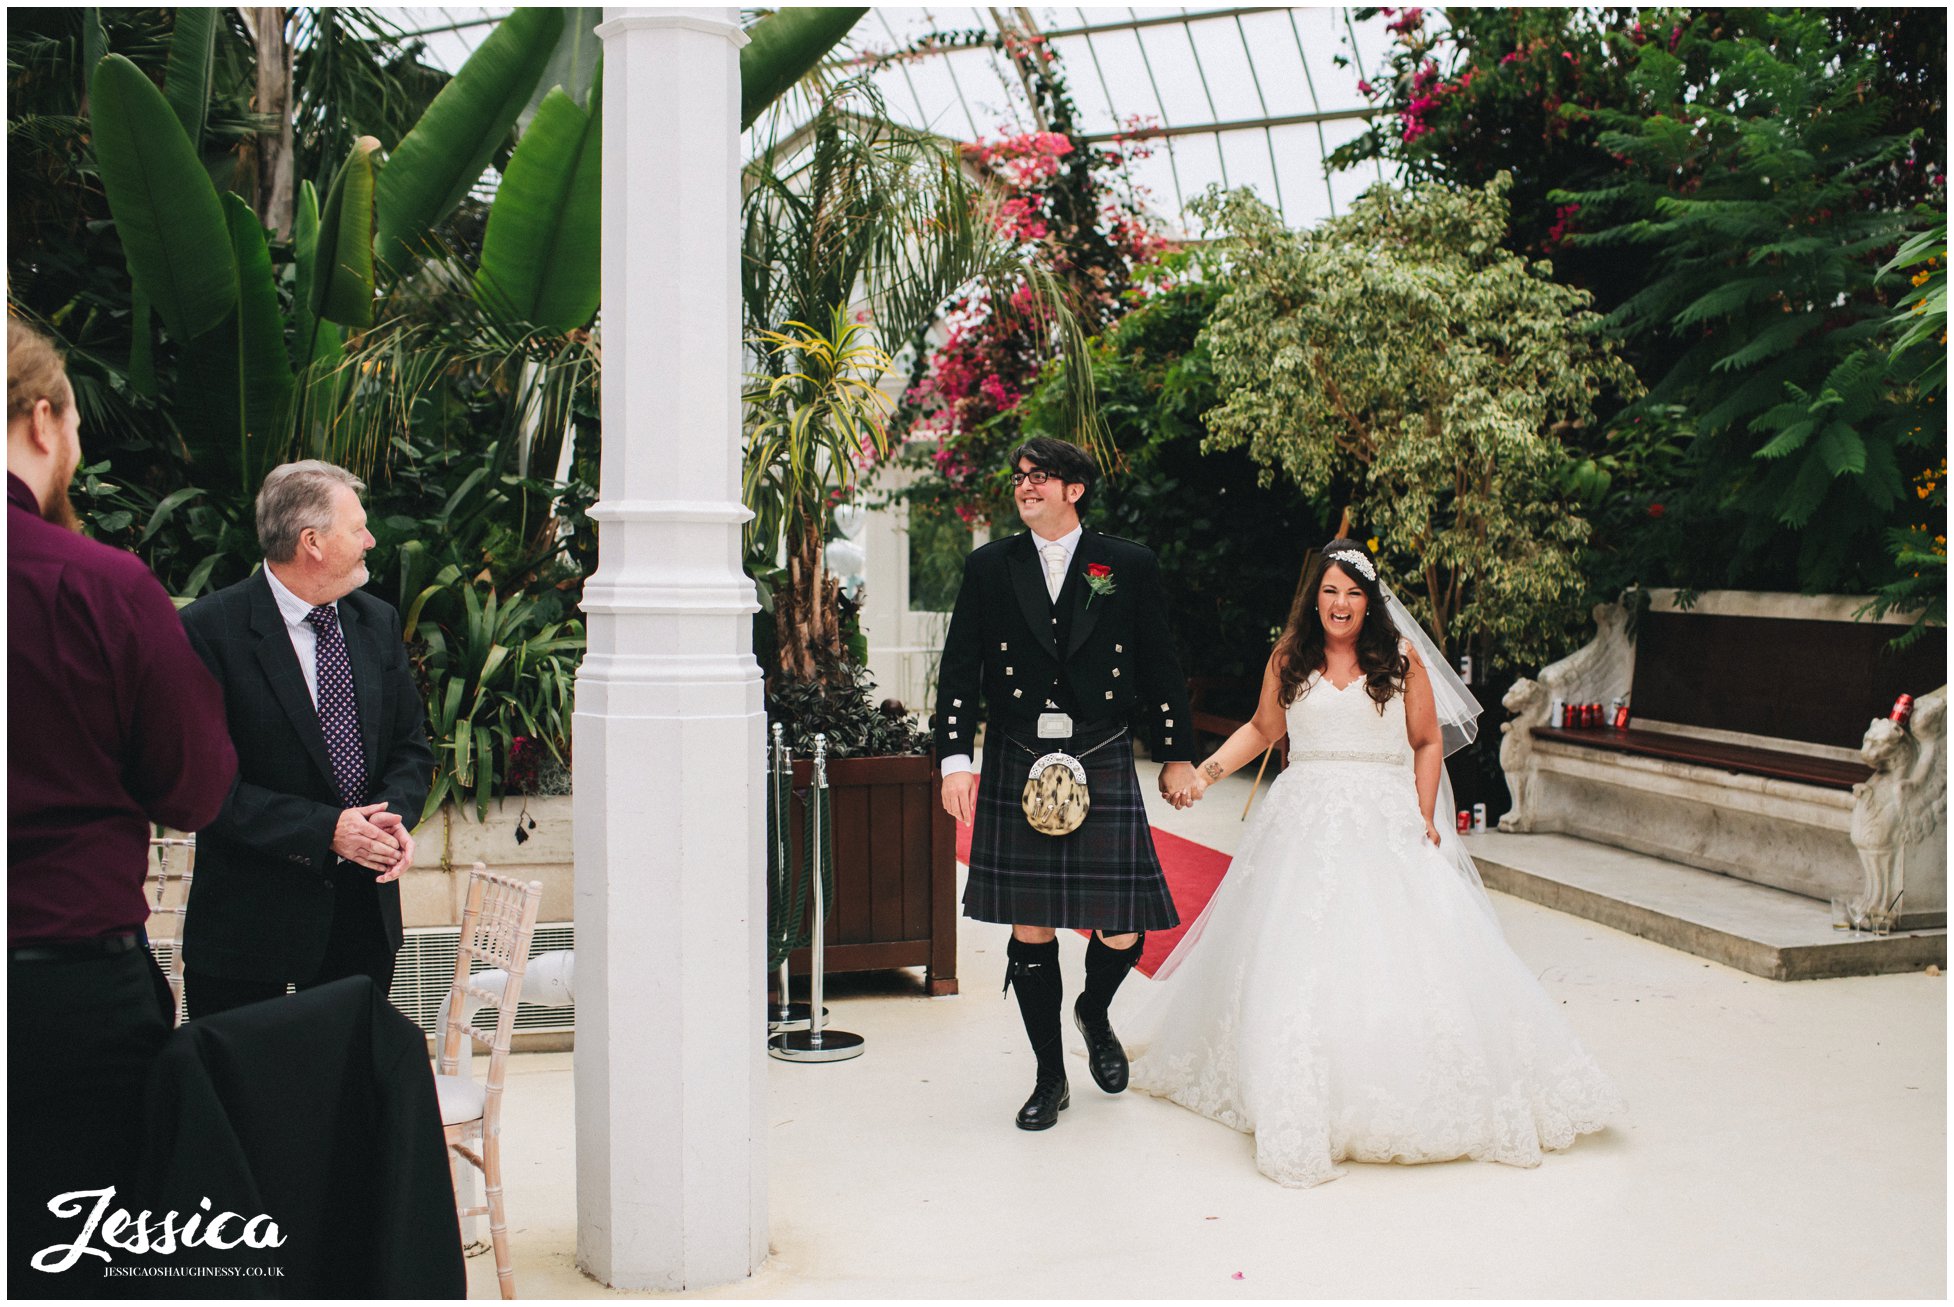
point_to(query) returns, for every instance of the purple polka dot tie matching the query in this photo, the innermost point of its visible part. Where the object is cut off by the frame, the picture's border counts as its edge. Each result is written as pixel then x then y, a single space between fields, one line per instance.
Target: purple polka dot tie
pixel 339 713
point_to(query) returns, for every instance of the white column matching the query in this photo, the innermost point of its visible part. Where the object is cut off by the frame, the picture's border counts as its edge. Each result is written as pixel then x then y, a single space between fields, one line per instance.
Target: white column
pixel 670 898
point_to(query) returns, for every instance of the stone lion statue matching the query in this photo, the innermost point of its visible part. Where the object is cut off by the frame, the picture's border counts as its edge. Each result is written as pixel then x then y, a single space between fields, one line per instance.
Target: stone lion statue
pixel 1527 702
pixel 1902 805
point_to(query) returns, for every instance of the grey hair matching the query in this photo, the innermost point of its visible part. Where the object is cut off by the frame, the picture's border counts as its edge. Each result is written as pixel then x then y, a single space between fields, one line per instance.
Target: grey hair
pixel 296 496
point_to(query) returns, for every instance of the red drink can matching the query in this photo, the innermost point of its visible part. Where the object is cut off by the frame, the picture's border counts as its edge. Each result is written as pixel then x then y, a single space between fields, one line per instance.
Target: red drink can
pixel 1902 710
pixel 1621 714
pixel 1465 822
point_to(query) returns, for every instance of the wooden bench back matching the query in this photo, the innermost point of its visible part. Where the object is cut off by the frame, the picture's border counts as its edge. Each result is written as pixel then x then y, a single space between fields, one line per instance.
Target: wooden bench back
pixel 1818 682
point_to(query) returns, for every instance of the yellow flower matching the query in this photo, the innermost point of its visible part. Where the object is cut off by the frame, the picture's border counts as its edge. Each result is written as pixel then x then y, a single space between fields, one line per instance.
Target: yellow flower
pixel 1922 278
pixel 1371 544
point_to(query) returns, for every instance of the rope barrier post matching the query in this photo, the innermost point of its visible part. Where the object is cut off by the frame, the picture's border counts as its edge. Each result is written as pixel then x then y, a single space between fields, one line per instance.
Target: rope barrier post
pixel 782 1013
pixel 816 1043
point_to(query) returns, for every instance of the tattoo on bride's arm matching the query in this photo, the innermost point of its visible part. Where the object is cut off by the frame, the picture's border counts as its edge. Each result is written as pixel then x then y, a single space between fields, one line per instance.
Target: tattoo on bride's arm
pixel 1213 769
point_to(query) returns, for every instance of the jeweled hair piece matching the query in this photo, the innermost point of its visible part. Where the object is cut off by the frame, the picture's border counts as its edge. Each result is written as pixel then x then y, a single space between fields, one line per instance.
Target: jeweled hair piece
pixel 1356 560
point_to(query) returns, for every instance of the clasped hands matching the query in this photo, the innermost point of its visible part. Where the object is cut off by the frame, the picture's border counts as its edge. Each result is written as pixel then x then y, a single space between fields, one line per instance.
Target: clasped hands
pixel 376 839
pixel 1181 785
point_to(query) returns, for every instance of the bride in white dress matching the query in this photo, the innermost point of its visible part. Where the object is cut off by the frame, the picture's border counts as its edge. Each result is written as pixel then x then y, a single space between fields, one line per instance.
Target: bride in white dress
pixel 1347 994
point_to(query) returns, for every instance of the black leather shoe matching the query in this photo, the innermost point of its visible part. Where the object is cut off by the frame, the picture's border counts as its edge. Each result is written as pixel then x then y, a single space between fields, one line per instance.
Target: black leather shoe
pixel 1104 1053
pixel 1048 1099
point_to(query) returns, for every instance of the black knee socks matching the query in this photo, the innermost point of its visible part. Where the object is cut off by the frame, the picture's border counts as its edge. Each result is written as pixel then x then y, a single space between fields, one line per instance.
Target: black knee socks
pixel 1034 971
pixel 1105 969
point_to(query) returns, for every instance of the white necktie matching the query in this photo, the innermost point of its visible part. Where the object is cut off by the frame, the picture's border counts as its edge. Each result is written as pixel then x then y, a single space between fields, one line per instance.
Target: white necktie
pixel 1054 568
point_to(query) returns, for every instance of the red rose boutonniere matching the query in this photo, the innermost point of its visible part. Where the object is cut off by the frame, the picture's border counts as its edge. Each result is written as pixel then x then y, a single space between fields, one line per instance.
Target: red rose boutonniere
pixel 1099 579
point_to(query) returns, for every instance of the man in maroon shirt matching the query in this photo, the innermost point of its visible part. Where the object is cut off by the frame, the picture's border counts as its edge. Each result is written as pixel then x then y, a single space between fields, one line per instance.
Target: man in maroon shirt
pixel 113 723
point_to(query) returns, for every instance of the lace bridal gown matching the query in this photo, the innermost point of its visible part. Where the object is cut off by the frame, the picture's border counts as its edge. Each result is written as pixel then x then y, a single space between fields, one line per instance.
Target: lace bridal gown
pixel 1348 994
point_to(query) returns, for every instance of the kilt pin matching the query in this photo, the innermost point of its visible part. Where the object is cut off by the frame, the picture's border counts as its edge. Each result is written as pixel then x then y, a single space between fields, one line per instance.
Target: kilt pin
pixel 1105 660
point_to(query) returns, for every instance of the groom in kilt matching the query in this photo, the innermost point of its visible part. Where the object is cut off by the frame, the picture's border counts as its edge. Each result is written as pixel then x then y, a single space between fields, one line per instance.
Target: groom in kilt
pixel 1060 634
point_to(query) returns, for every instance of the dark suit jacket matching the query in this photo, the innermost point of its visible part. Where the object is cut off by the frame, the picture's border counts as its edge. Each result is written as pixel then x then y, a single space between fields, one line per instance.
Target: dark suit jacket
pixel 261 904
pixel 1099 657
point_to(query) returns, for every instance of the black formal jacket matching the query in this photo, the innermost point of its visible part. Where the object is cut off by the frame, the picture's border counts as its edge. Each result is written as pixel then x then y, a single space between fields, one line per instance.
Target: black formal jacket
pixel 261 903
pixel 1099 657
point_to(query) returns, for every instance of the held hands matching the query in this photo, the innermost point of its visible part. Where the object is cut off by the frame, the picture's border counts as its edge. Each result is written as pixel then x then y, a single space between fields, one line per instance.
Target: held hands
pixel 960 795
pixel 1180 784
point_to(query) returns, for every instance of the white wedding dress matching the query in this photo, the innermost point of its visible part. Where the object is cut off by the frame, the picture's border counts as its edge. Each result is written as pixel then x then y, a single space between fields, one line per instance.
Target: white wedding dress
pixel 1348 993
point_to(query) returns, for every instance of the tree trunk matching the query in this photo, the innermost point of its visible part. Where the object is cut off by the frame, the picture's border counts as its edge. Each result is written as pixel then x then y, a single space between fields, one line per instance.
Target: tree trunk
pixel 806 617
pixel 272 156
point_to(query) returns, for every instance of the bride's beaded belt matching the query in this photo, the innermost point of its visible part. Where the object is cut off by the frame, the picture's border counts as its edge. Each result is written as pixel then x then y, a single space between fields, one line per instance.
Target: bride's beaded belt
pixel 1346 755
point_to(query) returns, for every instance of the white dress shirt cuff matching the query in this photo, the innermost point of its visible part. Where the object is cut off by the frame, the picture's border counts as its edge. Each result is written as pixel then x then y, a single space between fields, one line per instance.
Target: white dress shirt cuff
pixel 956 763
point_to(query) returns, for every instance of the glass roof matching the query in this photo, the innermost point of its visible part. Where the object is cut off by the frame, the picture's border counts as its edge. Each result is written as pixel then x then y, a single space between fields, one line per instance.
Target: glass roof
pixel 1235 96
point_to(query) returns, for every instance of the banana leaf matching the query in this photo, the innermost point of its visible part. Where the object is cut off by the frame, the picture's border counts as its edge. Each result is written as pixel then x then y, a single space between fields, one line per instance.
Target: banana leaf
pixel 210 405
pixel 166 211
pixel 781 48
pixel 539 252
pixel 573 64
pixel 265 370
pixel 314 340
pixel 342 272
pixel 446 152
pixel 193 54
pixel 142 344
pixel 94 44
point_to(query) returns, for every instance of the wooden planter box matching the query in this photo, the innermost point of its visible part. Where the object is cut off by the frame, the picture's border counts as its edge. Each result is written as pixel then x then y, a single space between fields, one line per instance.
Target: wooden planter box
pixel 895 872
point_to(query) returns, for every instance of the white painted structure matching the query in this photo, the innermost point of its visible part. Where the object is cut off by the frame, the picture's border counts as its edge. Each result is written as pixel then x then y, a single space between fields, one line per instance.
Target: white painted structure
pixel 671 1077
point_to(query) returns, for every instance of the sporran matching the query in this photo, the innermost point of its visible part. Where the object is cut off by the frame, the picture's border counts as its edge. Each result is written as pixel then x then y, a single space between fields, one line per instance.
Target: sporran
pixel 1056 798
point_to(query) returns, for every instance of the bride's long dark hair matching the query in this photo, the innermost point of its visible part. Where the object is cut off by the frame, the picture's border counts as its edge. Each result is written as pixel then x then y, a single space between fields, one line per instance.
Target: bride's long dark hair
pixel 1299 653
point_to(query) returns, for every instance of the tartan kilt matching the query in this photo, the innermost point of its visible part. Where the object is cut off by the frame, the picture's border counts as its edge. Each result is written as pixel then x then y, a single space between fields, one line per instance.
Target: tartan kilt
pixel 1103 876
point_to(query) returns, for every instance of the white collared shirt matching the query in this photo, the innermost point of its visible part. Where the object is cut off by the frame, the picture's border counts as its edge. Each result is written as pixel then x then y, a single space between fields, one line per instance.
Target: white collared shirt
pixel 961 762
pixel 305 637
pixel 1069 541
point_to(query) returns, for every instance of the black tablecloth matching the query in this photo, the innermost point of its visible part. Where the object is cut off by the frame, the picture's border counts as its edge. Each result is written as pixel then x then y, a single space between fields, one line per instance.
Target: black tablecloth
pixel 317 1110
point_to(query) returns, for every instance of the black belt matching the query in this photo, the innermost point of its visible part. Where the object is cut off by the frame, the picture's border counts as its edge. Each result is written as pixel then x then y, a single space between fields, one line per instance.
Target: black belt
pixel 74 950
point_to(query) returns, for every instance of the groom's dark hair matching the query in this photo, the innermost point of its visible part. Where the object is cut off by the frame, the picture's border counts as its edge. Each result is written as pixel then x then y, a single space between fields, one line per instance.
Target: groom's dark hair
pixel 1062 459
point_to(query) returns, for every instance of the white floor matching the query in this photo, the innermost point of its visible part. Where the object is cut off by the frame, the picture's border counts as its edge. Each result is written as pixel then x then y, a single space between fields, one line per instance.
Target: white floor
pixel 1784 1140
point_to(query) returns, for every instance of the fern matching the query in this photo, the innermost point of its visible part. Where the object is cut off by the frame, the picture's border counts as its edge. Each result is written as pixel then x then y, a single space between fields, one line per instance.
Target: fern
pixel 1748 153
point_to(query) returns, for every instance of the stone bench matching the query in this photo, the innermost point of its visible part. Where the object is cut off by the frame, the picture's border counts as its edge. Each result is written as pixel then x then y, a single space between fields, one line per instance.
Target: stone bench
pixel 1758 748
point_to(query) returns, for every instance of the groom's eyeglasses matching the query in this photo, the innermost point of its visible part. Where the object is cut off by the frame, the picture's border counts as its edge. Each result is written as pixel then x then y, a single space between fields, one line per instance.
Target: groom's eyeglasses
pixel 1037 477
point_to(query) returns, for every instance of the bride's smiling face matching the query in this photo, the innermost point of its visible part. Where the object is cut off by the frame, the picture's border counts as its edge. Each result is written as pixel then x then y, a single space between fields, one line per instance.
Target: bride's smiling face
pixel 1340 604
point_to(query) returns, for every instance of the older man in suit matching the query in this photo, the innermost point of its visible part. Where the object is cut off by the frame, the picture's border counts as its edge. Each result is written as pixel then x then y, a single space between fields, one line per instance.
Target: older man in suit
pixel 297 879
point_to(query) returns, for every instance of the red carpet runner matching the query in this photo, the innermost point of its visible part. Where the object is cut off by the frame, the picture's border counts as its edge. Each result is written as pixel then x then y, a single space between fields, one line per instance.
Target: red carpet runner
pixel 1193 871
